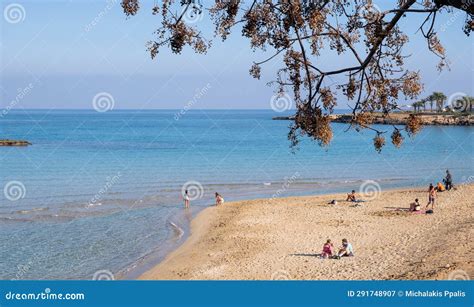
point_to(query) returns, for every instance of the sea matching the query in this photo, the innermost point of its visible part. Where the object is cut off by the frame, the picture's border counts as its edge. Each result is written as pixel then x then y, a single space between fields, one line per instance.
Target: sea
pixel 101 192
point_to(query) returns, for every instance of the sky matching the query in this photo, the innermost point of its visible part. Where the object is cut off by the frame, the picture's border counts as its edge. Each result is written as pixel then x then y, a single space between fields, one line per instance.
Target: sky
pixel 61 54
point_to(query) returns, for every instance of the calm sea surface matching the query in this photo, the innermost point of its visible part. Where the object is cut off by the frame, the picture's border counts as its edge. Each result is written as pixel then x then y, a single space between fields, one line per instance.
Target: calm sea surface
pixel 102 191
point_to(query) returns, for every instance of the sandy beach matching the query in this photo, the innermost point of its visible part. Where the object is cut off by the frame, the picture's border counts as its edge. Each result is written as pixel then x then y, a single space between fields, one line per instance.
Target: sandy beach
pixel 280 239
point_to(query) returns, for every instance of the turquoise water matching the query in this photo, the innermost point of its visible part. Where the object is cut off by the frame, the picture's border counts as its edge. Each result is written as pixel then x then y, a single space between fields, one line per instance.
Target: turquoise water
pixel 102 191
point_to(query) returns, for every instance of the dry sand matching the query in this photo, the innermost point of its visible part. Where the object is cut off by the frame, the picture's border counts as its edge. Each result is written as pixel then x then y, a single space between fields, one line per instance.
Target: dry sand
pixel 279 239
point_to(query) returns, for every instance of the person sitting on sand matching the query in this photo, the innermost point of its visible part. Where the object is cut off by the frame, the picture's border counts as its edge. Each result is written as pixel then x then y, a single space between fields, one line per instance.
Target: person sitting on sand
pixel 219 199
pixel 346 249
pixel 415 206
pixel 431 196
pixel 351 196
pixel 328 248
pixel 440 187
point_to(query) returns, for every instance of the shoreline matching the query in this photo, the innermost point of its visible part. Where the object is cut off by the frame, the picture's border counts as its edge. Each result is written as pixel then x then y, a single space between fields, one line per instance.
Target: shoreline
pixel 152 259
pixel 401 118
pixel 279 239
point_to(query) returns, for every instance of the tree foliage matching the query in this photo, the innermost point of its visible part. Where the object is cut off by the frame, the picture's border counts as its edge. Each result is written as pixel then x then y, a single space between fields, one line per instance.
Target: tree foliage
pixel 299 31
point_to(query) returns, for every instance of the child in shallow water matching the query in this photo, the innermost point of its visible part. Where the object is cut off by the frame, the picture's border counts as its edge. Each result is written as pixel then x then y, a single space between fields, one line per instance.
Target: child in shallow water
pixel 327 249
pixel 186 199
pixel 219 199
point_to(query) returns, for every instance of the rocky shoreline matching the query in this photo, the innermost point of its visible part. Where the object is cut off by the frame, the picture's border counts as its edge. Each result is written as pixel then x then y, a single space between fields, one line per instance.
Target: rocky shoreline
pixel 401 119
pixel 14 143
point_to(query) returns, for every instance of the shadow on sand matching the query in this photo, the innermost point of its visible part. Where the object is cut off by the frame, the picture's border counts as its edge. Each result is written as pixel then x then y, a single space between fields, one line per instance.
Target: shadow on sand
pixel 306 255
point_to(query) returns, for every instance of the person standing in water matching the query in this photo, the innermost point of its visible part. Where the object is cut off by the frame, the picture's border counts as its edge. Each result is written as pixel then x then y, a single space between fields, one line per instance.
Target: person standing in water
pixel 186 199
pixel 219 199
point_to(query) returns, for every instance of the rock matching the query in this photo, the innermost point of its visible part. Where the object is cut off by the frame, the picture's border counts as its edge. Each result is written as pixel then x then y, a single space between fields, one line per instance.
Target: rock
pixel 14 143
pixel 283 118
pixel 400 118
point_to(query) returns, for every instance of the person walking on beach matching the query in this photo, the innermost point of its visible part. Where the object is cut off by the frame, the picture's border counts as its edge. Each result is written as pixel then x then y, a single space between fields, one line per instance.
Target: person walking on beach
pixel 448 181
pixel 219 199
pixel 431 196
pixel 186 199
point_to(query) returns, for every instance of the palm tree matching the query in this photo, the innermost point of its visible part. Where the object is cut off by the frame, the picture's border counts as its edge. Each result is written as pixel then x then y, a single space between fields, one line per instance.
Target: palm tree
pixel 461 104
pixel 417 105
pixel 431 100
pixel 424 101
pixel 465 104
pixel 420 105
pixel 440 98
